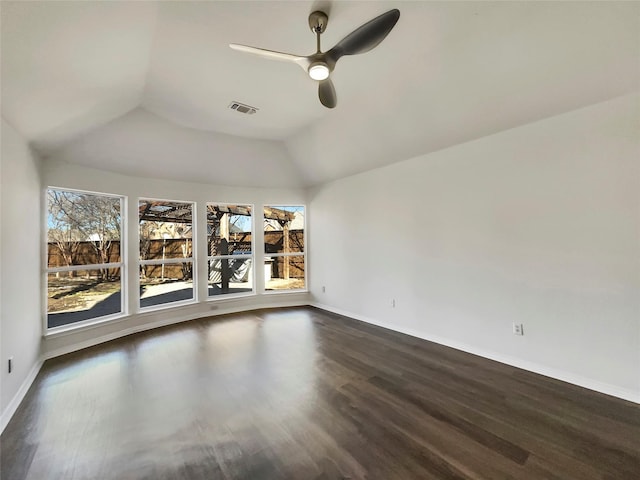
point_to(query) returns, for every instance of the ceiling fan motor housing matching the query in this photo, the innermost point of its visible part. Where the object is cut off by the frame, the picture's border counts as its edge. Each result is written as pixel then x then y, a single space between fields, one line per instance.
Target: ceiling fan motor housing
pixel 318 21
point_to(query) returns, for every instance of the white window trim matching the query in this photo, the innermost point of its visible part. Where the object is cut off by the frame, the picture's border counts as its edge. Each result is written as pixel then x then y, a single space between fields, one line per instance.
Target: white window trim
pixel 90 322
pixel 230 257
pixel 122 265
pixel 169 305
pixel 290 254
pixel 167 260
pixel 90 266
pixel 191 259
pixel 240 256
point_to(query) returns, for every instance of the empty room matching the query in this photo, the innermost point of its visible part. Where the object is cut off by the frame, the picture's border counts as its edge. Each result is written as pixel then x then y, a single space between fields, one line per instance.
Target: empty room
pixel 320 240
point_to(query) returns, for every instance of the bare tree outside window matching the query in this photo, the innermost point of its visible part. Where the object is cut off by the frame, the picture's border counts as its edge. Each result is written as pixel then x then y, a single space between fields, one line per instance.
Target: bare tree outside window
pixel 79 217
pixel 60 232
pixel 83 256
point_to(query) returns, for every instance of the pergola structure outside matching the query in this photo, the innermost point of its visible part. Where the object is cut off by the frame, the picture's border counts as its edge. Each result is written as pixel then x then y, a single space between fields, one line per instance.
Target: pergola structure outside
pixel 218 218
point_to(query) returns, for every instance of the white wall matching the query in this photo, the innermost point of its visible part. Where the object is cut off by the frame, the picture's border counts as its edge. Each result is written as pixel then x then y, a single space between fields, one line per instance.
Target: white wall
pixel 538 225
pixel 141 142
pixel 64 175
pixel 20 313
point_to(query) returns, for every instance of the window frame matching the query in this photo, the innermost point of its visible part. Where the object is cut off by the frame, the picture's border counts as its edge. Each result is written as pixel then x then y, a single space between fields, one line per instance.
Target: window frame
pixel 291 254
pixel 122 265
pixel 251 256
pixel 169 261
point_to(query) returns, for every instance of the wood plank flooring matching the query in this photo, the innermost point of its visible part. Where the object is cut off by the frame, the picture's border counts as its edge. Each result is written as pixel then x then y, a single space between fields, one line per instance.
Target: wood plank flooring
pixel 307 395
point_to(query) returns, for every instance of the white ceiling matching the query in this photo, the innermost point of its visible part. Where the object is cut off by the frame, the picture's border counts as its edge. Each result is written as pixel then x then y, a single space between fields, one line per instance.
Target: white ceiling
pixel 143 87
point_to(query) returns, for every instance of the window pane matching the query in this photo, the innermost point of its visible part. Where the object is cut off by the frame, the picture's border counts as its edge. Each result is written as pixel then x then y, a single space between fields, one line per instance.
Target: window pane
pixel 284 273
pixel 283 229
pixel 165 233
pixel 228 276
pixel 166 283
pixel 229 232
pixel 165 229
pixel 228 229
pixel 81 295
pixel 82 228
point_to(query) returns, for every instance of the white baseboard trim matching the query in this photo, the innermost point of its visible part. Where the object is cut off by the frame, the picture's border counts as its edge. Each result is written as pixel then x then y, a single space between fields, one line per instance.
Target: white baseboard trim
pixel 15 402
pixel 221 310
pixel 562 375
pixel 557 374
pixel 8 413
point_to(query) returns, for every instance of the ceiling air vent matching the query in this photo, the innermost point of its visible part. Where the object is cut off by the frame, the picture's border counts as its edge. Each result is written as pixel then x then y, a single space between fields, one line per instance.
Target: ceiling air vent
pixel 242 108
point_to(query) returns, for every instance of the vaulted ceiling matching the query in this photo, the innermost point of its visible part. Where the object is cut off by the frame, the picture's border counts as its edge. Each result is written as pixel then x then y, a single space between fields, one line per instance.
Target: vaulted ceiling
pixel 143 88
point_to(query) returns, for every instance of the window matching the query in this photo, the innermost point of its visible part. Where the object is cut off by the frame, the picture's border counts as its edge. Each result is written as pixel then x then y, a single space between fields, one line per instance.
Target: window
pixel 230 241
pixel 284 248
pixel 166 252
pixel 84 259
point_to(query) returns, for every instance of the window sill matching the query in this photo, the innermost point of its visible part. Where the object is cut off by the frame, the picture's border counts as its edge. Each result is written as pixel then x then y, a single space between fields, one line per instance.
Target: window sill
pixel 84 325
pixel 87 325
pixel 166 306
pixel 284 292
pixel 230 296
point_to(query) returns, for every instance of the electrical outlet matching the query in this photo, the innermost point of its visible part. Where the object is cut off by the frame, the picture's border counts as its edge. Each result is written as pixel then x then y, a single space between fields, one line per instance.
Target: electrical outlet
pixel 323 289
pixel 10 365
pixel 518 329
pixel 393 303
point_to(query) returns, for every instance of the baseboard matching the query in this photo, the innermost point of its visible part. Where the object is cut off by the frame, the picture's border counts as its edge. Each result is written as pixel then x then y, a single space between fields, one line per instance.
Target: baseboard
pixel 19 396
pixel 557 374
pixel 8 413
pixel 564 376
pixel 220 310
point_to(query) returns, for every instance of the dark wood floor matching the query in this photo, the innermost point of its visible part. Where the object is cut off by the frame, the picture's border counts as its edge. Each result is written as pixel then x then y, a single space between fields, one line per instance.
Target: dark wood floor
pixel 303 394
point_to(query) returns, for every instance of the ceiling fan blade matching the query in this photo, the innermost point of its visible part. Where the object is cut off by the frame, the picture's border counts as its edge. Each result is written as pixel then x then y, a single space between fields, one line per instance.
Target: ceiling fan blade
pixel 287 57
pixel 327 93
pixel 367 36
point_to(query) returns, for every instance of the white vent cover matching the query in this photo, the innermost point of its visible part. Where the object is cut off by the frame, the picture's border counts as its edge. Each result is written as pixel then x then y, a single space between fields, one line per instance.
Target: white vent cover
pixel 242 108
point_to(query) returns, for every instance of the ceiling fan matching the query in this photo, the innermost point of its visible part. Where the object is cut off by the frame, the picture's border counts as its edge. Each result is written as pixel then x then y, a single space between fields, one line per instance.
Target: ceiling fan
pixel 320 64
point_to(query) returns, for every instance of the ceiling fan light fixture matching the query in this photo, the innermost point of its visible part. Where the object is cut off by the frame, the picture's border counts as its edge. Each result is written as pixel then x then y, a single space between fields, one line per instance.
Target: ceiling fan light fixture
pixel 319 65
pixel 319 71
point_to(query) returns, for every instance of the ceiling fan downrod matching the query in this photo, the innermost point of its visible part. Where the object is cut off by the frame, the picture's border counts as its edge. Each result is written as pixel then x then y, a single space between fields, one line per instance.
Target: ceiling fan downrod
pixel 318 70
pixel 318 24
